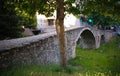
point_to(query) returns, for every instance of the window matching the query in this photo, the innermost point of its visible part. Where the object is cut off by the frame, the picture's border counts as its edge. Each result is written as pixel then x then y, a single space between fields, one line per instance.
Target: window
pixel 50 22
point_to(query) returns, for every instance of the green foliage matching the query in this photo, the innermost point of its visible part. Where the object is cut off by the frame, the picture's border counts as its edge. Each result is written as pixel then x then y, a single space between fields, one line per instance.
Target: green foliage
pixel 30 7
pixel 26 20
pixel 16 13
pixel 102 12
pixel 34 70
pixel 108 8
pixel 105 7
pixel 99 19
pixel 9 27
pixel 69 8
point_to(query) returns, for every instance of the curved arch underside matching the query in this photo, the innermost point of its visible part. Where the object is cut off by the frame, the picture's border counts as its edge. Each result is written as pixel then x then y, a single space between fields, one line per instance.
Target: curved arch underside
pixel 86 40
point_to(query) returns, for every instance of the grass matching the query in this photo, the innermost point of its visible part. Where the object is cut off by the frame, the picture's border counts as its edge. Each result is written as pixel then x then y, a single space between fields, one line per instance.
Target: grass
pixel 104 61
pixel 34 70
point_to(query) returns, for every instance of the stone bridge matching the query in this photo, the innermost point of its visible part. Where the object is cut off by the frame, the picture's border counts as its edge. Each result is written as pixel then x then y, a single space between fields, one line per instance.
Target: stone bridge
pixel 44 48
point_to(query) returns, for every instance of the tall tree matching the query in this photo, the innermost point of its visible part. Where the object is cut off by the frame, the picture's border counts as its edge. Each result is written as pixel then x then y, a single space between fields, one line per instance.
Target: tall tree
pixel 60 30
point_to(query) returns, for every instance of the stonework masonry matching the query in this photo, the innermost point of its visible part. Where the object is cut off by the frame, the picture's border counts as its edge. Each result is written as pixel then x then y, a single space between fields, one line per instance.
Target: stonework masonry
pixel 30 50
pixel 43 49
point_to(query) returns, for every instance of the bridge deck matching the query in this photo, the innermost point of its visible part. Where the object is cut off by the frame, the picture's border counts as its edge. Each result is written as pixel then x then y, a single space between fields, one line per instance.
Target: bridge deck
pixel 19 42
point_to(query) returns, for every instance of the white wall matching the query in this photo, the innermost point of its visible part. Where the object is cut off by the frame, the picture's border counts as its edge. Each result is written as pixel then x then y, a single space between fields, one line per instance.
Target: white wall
pixel 41 21
pixel 71 20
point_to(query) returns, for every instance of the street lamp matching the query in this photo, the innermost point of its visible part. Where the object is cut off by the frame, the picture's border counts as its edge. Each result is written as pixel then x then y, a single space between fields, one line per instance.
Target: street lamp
pixel 90 20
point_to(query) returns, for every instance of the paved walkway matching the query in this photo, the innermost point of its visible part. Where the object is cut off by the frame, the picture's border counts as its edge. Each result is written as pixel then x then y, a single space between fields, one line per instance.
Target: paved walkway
pixel 66 28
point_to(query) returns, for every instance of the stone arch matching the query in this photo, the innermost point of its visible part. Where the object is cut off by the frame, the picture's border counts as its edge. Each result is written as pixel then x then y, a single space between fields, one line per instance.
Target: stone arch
pixel 102 40
pixel 86 37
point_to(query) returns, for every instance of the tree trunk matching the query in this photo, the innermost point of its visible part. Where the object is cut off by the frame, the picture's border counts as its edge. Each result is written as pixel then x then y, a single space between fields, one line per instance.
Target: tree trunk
pixel 60 30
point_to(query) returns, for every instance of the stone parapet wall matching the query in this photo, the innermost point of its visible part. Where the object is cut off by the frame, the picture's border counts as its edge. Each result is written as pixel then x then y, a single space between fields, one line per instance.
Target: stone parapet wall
pixel 39 49
pixel 109 34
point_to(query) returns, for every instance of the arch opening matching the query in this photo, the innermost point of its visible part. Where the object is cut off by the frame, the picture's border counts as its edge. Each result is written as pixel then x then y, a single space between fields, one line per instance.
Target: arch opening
pixel 86 40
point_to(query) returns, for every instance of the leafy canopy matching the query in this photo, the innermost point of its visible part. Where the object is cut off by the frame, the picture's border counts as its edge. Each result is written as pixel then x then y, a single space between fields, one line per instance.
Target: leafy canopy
pixel 104 7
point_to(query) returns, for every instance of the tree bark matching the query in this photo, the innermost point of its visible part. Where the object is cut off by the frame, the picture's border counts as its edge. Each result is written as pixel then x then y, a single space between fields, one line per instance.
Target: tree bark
pixel 60 31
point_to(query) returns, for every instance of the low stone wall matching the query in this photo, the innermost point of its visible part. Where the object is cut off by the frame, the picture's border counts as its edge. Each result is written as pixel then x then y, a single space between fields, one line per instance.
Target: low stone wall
pixel 39 49
pixel 109 34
